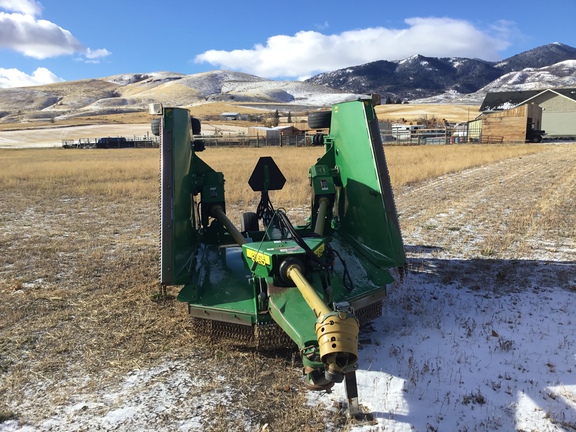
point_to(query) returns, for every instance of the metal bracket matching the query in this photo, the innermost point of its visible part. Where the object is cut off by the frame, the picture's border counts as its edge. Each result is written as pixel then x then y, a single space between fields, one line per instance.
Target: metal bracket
pixel 352 394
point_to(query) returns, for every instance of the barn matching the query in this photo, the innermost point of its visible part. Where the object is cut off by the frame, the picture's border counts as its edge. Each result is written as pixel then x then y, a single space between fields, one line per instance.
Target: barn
pixel 558 108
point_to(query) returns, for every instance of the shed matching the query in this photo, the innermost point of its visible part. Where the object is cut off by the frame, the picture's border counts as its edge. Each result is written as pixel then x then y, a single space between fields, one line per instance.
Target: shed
pixel 558 107
pixel 510 125
pixel 230 115
pixel 274 132
pixel 280 135
pixel 264 132
pixel 474 130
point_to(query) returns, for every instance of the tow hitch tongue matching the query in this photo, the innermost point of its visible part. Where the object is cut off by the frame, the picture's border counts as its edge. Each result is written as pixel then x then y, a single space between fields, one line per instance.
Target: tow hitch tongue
pixel 337 336
pixel 336 330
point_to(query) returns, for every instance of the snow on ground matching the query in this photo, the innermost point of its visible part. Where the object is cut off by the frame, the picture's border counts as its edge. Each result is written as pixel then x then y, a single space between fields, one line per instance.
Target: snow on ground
pixel 445 358
pixel 442 358
pixel 477 339
pixel 46 137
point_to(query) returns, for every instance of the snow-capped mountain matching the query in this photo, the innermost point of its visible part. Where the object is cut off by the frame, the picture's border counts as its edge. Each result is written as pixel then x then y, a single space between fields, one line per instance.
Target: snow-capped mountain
pixel 538 57
pixel 558 75
pixel 561 74
pixel 419 77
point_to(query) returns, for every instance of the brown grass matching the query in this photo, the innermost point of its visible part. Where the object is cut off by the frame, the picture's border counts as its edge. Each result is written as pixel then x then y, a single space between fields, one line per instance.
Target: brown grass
pixel 131 173
pixel 408 112
pixel 122 118
pixel 410 165
pixel 201 111
pixel 412 113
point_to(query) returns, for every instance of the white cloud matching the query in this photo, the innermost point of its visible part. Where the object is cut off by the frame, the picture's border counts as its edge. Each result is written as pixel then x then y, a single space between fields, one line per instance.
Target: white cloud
pixel 309 52
pixel 505 30
pixel 27 7
pixel 94 56
pixel 21 31
pixel 16 78
pixel 39 39
pixel 98 53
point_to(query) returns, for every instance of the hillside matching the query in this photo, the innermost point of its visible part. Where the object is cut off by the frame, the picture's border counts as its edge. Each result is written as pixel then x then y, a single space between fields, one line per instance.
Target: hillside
pixel 415 79
pixel 558 75
pixel 129 93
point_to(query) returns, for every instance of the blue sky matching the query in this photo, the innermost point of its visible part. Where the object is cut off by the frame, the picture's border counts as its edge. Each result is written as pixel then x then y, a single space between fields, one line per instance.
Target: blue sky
pixel 43 41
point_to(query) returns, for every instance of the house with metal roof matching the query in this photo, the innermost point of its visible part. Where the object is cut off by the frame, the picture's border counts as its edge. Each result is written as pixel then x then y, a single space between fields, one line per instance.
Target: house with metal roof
pixel 558 107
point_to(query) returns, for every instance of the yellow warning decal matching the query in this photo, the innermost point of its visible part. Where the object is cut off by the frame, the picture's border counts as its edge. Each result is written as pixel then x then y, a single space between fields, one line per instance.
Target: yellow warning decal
pixel 257 257
pixel 320 250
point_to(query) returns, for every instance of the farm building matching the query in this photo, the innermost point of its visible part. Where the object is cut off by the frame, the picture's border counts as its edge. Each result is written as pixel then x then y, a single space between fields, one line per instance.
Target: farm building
pixel 474 130
pixel 511 125
pixel 273 132
pixel 558 108
pixel 230 115
pixel 278 135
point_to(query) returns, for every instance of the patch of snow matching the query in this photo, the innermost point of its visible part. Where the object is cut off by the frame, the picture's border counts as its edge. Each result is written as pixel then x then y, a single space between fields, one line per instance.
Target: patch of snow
pixel 505 106
pixel 446 358
pixel 407 59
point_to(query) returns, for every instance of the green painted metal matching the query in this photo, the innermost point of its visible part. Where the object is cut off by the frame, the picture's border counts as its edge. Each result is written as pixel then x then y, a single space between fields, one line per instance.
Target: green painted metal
pixel 178 236
pixel 365 208
pixel 264 258
pixel 293 315
pixel 221 283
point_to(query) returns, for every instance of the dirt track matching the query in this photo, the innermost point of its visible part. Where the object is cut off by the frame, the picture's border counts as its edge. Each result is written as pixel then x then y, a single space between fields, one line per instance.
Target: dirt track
pixel 70 358
pixel 488 226
pixel 512 209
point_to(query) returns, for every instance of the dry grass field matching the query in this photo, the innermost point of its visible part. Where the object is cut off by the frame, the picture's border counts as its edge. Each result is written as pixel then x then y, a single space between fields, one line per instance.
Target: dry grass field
pixel 202 111
pixel 79 261
pixel 414 112
pixel 408 112
pixel 131 174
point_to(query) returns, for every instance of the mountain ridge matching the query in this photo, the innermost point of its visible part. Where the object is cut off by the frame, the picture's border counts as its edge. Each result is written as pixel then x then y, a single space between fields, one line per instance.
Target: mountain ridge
pixel 418 76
